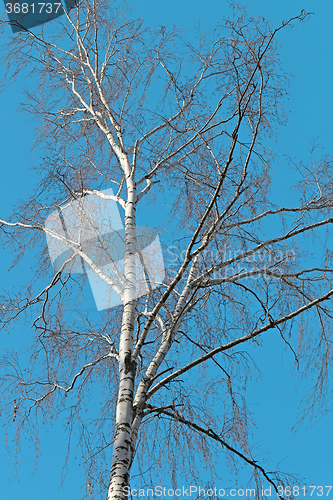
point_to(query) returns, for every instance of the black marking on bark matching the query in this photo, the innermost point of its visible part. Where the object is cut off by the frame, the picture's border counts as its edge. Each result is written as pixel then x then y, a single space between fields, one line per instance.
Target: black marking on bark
pixel 125 400
pixel 130 365
pixel 124 424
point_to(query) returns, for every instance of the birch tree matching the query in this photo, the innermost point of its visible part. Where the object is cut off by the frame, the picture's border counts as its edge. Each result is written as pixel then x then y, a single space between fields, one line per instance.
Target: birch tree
pixel 148 120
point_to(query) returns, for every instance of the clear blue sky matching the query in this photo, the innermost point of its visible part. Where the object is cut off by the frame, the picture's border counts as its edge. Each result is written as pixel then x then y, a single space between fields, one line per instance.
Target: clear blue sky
pixel 306 52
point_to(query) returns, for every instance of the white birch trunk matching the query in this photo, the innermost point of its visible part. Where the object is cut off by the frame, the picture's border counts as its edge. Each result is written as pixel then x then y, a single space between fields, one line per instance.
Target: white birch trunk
pixel 122 447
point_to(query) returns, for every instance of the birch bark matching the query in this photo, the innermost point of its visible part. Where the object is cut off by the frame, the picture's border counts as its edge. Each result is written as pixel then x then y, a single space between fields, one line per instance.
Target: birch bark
pixel 122 447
